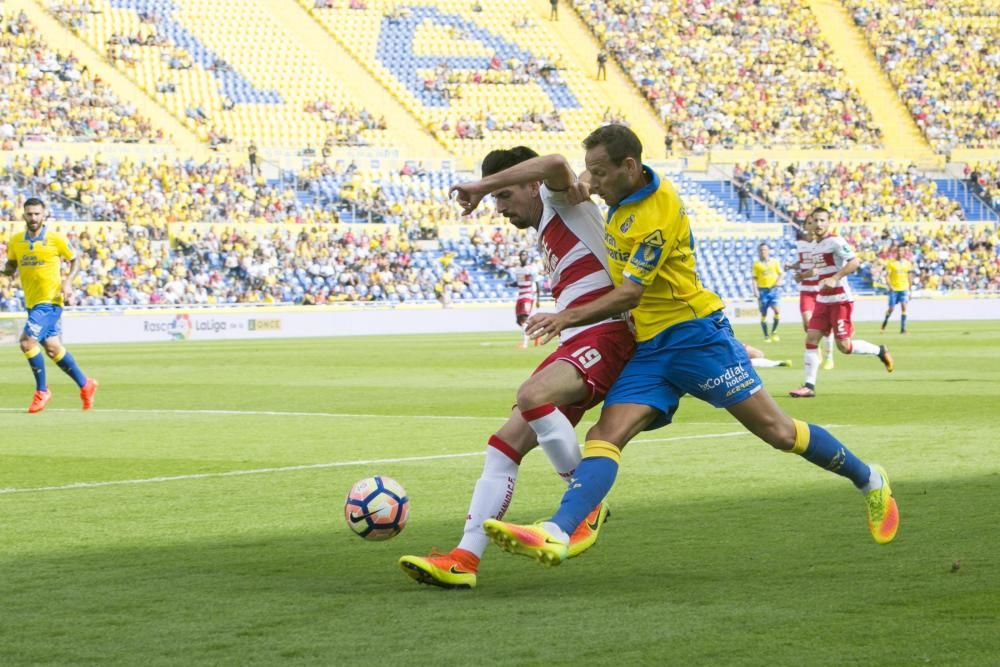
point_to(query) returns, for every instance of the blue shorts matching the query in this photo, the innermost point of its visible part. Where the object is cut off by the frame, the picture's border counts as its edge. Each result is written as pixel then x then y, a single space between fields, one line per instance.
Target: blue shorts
pixel 898 297
pixel 44 321
pixel 699 357
pixel 767 297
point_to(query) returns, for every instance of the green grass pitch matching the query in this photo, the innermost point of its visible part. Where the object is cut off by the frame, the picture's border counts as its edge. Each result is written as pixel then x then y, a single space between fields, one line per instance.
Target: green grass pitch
pixel 720 551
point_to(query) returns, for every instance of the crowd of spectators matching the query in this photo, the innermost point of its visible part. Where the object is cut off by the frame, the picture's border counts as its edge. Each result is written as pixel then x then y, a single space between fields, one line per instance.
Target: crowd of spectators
pixel 855 193
pixel 488 122
pixel 152 194
pixel 47 96
pixel 319 264
pixel 939 57
pixel 224 264
pixel 730 74
pixel 450 83
pixel 944 258
pixel 349 124
pixel 984 181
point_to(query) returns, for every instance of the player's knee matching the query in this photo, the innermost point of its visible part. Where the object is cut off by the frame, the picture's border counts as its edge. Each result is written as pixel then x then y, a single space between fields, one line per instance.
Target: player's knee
pixel 779 432
pixel 27 344
pixel 844 346
pixel 530 396
pixel 599 432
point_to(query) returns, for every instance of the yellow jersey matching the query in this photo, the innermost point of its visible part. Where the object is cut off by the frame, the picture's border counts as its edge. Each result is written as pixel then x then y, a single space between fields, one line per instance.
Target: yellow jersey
pixel 38 261
pixel 899 274
pixel 766 274
pixel 649 241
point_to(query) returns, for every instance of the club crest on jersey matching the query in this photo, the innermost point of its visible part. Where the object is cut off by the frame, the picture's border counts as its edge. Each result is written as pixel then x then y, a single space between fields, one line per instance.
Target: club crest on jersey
pixel 645 259
pixel 624 227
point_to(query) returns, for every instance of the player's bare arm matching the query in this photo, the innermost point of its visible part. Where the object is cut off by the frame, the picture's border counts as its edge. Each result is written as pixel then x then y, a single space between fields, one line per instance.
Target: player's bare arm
pixel 67 283
pixel 10 268
pixel 849 268
pixel 553 170
pixel 623 298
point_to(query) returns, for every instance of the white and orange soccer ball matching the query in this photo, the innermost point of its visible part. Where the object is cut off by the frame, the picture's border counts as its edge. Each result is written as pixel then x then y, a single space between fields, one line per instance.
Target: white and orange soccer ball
pixel 377 508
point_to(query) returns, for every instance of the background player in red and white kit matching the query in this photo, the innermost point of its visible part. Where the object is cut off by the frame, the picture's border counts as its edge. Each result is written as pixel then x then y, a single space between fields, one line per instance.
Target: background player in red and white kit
pixel 526 280
pixel 833 260
pixel 808 288
pixel 574 378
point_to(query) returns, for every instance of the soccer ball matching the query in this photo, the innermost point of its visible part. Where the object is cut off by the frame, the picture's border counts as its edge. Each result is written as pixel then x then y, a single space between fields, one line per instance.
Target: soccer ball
pixel 377 508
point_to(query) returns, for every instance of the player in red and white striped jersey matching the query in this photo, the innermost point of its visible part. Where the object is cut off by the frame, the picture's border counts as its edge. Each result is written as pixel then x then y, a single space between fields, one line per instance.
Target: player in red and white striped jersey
pixel 808 288
pixel 526 280
pixel 575 377
pixel 833 260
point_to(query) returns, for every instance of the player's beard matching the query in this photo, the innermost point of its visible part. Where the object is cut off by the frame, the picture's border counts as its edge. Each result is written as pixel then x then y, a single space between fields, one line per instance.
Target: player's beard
pixel 518 222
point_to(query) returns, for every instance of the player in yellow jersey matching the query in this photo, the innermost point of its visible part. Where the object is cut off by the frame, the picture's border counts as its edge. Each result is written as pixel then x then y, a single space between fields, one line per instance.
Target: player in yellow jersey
pixel 685 345
pixel 898 271
pixel 767 278
pixel 38 255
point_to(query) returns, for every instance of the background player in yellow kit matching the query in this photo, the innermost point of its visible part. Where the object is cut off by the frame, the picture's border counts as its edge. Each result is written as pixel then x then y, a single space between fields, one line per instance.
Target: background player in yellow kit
pixel 38 255
pixel 897 271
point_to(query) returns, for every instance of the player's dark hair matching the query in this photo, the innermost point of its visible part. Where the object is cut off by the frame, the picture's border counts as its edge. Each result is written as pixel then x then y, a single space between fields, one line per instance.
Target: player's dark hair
pixel 498 160
pixel 819 209
pixel 34 201
pixel 763 245
pixel 619 141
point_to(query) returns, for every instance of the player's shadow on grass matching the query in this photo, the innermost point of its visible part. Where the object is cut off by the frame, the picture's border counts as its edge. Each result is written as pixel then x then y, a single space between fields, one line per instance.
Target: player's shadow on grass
pixel 782 555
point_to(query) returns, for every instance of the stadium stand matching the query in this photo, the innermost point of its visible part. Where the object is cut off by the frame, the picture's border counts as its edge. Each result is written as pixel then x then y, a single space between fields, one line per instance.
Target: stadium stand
pixel 165 228
pixel 48 96
pixel 470 72
pixel 251 82
pixel 732 74
pixel 939 57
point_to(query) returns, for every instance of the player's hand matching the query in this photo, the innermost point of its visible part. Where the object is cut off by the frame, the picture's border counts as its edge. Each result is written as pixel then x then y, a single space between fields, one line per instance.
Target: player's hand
pixel 545 325
pixel 67 293
pixel 578 193
pixel 829 283
pixel 467 195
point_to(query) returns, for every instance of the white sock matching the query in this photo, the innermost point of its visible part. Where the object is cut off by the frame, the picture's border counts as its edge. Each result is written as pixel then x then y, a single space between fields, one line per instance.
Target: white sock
pixel 524 336
pixel 764 363
pixel 557 438
pixel 810 361
pixel 490 498
pixel 829 346
pixel 874 481
pixel 555 531
pixel 864 347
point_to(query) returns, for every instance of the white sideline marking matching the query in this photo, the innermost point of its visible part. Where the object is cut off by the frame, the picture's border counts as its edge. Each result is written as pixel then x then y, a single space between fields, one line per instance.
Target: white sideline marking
pixel 319 466
pixel 263 413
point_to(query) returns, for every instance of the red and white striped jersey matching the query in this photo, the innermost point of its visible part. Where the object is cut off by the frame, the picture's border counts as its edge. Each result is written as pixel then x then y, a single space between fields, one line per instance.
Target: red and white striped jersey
pixel 526 278
pixel 805 252
pixel 830 254
pixel 571 242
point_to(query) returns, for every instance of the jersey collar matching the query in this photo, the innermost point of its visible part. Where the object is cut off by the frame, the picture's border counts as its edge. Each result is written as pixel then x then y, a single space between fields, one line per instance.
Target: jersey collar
pixel 31 239
pixel 639 195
